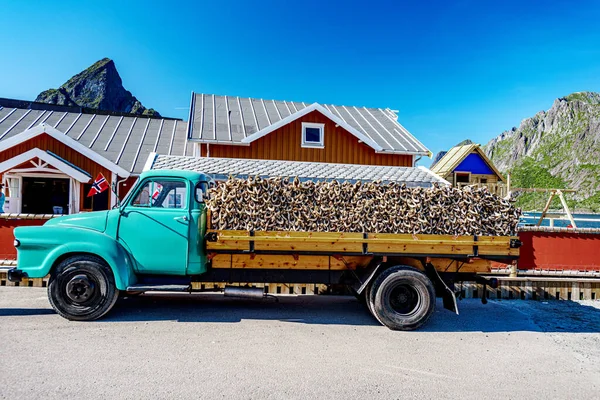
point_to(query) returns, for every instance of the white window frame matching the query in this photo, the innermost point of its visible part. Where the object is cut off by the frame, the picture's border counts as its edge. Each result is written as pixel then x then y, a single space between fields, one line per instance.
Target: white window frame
pixel 318 145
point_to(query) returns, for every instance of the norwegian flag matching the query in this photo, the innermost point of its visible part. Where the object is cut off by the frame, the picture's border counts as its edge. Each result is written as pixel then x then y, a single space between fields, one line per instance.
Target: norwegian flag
pixel 157 191
pixel 99 185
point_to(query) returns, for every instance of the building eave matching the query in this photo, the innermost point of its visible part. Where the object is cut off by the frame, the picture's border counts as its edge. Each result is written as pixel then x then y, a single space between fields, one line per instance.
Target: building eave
pixel 66 140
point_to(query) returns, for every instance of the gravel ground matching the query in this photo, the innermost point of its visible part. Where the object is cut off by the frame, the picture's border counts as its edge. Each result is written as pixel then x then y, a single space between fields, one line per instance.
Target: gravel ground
pixel 206 346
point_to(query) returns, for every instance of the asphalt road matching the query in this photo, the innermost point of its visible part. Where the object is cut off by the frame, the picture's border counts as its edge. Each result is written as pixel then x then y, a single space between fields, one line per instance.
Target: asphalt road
pixel 206 346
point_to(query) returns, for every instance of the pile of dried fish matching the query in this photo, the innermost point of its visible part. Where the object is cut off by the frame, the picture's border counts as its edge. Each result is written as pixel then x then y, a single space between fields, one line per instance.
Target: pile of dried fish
pixel 282 204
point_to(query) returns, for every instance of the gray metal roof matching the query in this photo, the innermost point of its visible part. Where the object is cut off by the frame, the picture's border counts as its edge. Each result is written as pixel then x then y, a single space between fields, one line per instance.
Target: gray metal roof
pixel 231 119
pixel 222 168
pixel 124 140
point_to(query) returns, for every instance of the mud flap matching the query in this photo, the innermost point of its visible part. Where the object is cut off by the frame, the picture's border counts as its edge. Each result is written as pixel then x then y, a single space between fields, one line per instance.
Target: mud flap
pixel 361 282
pixel 448 296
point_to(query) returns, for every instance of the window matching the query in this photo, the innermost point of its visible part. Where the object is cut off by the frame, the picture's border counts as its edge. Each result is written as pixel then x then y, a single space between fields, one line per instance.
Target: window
pixel 312 134
pixel 161 194
pixel 202 191
pixel 463 177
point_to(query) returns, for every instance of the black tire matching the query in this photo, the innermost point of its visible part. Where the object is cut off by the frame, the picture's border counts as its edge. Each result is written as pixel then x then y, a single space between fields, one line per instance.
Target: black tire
pixel 82 288
pixel 403 298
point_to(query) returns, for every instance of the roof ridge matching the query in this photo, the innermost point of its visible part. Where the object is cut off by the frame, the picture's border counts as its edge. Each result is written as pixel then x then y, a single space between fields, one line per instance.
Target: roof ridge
pixel 293 101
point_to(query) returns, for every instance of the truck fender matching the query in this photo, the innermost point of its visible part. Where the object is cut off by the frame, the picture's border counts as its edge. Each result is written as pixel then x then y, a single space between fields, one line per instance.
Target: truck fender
pixel 46 245
pixel 115 256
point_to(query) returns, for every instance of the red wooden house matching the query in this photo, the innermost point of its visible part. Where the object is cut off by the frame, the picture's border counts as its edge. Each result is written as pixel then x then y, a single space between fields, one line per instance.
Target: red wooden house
pixel 50 155
pixel 234 127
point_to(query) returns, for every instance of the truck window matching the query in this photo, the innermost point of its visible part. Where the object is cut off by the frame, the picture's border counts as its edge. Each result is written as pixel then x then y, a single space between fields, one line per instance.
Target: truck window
pixel 161 194
pixel 201 191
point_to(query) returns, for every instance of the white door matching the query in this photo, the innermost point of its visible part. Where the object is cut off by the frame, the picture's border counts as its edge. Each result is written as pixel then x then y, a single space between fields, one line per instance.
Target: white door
pixel 12 203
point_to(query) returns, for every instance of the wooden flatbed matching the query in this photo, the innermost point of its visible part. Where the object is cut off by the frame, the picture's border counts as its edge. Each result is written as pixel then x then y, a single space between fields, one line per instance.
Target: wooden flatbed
pixel 349 251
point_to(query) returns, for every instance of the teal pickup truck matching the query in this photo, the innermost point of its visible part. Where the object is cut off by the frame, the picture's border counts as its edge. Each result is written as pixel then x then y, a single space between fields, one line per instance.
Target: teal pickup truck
pixel 159 239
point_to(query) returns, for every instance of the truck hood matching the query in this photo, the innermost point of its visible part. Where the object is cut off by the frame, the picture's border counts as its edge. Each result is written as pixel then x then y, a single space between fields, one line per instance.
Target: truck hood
pixel 92 220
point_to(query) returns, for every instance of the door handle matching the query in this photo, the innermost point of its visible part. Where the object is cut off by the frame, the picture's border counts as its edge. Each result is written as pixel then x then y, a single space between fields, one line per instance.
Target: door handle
pixel 184 218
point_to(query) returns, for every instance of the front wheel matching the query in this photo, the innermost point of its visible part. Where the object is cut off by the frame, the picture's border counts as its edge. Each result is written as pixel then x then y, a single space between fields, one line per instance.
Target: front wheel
pixel 82 288
pixel 403 298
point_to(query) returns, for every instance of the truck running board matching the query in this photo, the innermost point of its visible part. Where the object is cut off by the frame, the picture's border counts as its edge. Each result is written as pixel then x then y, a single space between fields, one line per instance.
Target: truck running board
pixel 159 288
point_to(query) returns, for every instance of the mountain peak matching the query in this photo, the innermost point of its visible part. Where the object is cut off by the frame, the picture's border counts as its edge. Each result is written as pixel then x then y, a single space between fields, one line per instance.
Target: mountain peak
pixel 586 97
pixel 557 148
pixel 98 86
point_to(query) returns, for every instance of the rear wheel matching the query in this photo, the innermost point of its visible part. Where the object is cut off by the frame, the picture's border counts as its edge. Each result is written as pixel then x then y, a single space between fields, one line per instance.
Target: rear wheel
pixel 403 298
pixel 82 288
pixel 370 299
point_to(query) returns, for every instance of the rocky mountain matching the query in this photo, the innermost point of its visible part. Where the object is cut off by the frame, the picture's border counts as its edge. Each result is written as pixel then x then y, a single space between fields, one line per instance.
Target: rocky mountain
pixel 99 87
pixel 558 148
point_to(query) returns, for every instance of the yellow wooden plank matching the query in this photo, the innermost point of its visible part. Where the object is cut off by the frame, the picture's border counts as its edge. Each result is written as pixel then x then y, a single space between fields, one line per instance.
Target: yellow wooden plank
pixel 273 261
pixel 419 248
pixel 447 265
pixel 308 241
pixel 353 242
pixel 225 243
pixel 392 238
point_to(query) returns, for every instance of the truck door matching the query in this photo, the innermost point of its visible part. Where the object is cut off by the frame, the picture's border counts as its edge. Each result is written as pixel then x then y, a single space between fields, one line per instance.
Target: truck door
pixel 155 226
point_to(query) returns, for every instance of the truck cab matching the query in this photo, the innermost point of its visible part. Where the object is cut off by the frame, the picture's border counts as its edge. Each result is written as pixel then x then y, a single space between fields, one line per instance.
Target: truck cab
pixel 157 230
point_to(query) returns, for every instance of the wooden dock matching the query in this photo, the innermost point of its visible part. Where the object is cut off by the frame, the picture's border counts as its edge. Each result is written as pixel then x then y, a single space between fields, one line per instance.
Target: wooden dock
pixel 518 288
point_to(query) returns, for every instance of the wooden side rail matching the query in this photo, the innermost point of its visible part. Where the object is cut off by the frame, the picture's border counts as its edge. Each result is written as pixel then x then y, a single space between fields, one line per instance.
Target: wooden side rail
pixel 362 243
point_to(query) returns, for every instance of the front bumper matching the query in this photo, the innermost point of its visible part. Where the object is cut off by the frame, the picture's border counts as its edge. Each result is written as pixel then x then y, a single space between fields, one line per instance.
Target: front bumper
pixel 15 275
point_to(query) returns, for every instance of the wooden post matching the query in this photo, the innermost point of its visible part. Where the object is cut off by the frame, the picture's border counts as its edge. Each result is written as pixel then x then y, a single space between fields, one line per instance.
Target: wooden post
pixel 513 270
pixel 587 291
pixel 545 210
pixel 575 291
pixel 566 207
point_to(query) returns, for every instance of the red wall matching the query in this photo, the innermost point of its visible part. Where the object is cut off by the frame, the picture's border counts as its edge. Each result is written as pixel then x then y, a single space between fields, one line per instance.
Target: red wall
pixel 7 226
pixel 559 251
pixel 285 144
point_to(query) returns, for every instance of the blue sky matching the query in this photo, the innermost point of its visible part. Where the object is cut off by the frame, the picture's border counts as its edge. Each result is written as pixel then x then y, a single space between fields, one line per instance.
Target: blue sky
pixel 454 69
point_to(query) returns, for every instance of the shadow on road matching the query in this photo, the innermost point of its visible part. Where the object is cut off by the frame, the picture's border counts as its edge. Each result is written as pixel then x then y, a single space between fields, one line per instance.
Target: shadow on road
pixel 24 312
pixel 217 308
pixel 496 316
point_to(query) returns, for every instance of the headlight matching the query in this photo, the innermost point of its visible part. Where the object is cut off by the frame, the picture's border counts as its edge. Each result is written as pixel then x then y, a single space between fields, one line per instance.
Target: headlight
pixel 17 243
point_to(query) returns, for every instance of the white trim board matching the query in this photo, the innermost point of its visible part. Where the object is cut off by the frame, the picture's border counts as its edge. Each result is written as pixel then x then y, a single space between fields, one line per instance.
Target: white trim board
pixel 315 145
pixel 149 161
pixel 66 140
pixel 47 158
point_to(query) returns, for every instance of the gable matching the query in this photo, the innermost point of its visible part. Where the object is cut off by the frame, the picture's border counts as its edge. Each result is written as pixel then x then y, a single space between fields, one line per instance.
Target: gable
pixel 57 150
pixel 285 143
pixel 474 164
pixel 46 162
pixel 455 157
pixel 238 121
